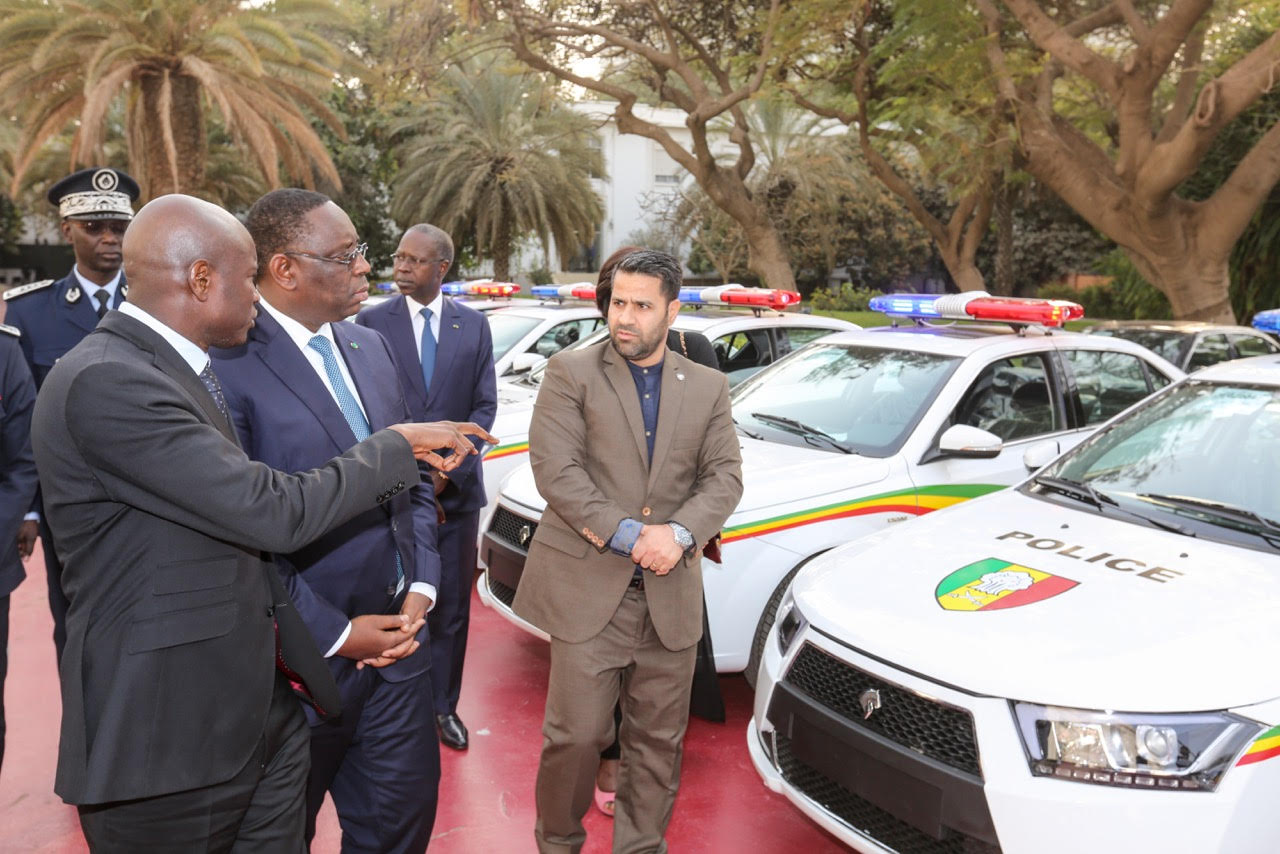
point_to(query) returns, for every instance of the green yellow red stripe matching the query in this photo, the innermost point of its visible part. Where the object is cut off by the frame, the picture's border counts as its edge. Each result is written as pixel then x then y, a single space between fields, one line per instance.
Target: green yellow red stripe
pixel 507 450
pixel 916 502
pixel 1264 746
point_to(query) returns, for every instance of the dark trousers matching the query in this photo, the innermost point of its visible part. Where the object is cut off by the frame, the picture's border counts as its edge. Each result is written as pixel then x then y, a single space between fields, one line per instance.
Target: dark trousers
pixel 448 620
pixel 381 763
pixel 58 603
pixel 4 664
pixel 261 810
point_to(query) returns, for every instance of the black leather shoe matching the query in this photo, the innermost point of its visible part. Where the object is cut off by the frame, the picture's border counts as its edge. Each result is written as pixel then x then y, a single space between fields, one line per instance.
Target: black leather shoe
pixel 452 732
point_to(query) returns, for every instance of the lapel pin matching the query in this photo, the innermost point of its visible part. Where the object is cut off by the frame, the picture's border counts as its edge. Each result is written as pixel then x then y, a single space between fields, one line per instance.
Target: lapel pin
pixel 124 290
pixel 456 326
pixel 679 376
pixel 354 345
pixel 73 296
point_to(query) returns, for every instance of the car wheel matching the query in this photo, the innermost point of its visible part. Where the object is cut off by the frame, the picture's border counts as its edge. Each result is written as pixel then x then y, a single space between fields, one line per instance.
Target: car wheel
pixel 766 621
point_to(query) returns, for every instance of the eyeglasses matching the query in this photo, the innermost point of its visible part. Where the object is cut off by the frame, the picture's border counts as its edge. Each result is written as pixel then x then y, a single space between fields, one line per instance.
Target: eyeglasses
pixel 346 260
pixel 415 261
pixel 94 227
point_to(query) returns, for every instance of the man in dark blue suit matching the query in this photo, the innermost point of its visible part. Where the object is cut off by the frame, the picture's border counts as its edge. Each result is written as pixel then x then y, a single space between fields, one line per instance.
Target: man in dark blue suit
pixel 17 481
pixel 304 387
pixel 96 205
pixel 445 355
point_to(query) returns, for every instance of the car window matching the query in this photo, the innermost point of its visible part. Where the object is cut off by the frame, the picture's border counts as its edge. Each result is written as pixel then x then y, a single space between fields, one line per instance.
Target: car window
pixel 1108 383
pixel 742 350
pixel 564 335
pixel 508 329
pixel 794 337
pixel 1252 345
pixel 1168 343
pixel 1209 350
pixel 1012 399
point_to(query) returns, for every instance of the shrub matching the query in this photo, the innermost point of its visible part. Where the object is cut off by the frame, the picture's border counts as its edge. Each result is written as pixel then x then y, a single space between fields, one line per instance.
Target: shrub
pixel 848 298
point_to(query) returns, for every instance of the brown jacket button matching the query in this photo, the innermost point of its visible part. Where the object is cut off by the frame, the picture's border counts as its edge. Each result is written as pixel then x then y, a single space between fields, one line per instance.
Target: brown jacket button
pixel 646 511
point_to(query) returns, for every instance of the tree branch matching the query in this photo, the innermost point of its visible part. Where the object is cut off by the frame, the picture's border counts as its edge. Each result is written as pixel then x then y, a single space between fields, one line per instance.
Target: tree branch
pixel 1169 33
pixel 1185 90
pixel 1058 43
pixel 1137 26
pixel 1226 214
pixel 1220 101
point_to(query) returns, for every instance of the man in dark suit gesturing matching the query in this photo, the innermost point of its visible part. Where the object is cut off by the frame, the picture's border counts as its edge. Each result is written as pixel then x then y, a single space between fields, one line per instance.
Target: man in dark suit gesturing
pixel 180 731
pixel 305 387
pixel 634 448
pixel 444 351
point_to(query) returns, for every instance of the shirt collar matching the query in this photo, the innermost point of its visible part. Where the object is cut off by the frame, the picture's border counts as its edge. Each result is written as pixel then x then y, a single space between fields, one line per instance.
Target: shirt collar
pixel 187 349
pixel 647 370
pixel 299 334
pixel 92 287
pixel 436 305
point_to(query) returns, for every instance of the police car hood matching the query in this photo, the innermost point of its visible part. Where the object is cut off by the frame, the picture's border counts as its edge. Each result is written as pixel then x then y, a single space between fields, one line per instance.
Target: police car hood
pixel 514 395
pixel 1017 597
pixel 772 474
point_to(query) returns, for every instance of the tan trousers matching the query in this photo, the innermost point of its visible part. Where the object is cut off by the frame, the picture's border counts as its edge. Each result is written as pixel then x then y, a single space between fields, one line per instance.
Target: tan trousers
pixel 582 689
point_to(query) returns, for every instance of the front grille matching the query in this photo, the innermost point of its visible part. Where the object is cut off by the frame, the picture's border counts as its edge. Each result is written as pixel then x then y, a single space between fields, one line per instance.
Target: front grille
pixel 929 728
pixel 507 526
pixel 500 591
pixel 868 818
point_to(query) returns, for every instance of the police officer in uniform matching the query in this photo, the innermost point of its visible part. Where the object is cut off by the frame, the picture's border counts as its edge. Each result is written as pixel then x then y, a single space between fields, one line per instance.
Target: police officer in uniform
pixel 96 205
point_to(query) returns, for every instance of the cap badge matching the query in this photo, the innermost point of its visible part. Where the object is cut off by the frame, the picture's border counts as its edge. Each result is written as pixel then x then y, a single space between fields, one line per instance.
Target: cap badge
pixel 105 180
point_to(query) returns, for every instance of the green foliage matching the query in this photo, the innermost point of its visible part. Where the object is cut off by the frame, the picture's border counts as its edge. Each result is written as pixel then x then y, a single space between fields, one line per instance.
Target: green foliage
pixel 498 156
pixel 541 276
pixel 848 298
pixel 1128 296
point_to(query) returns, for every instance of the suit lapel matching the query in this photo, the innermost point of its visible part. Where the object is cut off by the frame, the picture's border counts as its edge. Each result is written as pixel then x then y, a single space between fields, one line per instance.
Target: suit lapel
pixel 619 375
pixel 400 335
pixel 122 292
pixel 672 398
pixel 447 343
pixel 79 313
pixel 364 375
pixel 168 362
pixel 283 358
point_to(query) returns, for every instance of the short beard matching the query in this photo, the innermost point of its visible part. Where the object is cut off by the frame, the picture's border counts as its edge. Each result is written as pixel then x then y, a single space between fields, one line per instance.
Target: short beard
pixel 641 349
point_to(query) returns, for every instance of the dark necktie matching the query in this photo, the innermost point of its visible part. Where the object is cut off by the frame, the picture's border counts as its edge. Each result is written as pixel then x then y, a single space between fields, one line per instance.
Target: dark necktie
pixel 211 384
pixel 103 296
pixel 428 349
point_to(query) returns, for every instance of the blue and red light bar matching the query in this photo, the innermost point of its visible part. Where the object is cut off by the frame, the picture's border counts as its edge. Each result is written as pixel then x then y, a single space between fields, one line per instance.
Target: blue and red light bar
pixel 483 288
pixel 577 290
pixel 730 295
pixel 1267 321
pixel 978 305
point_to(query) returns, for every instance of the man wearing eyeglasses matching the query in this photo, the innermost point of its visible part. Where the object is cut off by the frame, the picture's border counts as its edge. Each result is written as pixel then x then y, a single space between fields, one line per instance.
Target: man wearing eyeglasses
pixel 444 352
pixel 304 387
pixel 96 205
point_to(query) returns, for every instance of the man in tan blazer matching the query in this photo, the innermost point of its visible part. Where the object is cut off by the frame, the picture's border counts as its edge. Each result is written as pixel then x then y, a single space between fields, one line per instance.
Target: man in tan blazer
pixel 634 449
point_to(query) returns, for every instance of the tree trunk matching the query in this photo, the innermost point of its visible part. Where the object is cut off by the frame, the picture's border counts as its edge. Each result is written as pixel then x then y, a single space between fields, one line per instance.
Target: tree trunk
pixel 502 252
pixel 1198 289
pixel 1004 285
pixel 174 162
pixel 767 256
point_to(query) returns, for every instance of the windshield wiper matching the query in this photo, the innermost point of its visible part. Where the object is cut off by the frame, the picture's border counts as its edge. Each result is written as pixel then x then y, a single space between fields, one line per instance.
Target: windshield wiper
pixel 803 429
pixel 745 431
pixel 1220 509
pixel 1086 493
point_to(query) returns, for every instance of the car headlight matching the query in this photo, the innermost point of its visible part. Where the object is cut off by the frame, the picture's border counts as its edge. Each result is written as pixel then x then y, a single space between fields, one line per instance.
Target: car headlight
pixel 790 622
pixel 1141 751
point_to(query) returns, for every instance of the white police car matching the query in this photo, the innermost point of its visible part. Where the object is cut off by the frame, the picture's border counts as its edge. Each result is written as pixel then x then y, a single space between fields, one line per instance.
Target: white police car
pixel 863 430
pixel 1077 664
pixel 527 332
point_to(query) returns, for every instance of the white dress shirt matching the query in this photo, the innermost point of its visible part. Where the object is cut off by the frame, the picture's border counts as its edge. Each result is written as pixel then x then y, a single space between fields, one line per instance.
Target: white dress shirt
pixel 416 318
pixel 300 335
pixel 92 288
pixel 189 350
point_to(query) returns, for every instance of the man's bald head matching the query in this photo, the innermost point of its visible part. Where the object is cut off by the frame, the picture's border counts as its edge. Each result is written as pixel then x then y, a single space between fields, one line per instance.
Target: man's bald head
pixel 191 264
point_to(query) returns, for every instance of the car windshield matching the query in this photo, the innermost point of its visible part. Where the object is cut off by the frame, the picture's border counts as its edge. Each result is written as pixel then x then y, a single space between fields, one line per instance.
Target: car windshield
pixel 508 329
pixel 1202 457
pixel 534 377
pixel 842 397
pixel 1168 343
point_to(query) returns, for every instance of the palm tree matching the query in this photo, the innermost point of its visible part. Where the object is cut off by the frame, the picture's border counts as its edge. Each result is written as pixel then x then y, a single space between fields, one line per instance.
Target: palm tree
pixel 498 156
pixel 171 62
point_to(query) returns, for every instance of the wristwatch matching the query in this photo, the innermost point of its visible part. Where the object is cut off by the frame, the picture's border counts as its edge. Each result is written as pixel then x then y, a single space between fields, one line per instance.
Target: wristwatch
pixel 684 539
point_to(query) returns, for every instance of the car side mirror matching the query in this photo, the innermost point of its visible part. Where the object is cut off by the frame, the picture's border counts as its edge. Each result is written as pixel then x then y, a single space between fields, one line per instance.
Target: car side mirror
pixel 961 440
pixel 1040 455
pixel 522 363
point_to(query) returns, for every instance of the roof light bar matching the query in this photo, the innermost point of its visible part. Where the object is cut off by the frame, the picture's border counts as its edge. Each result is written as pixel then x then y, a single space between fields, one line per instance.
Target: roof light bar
pixel 738 295
pixel 978 305
pixel 482 288
pixel 577 290
pixel 1267 321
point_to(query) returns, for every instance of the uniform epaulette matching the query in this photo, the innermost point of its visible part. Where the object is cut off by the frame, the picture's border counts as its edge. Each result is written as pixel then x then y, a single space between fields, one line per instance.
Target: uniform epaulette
pixel 27 289
pixel 10 330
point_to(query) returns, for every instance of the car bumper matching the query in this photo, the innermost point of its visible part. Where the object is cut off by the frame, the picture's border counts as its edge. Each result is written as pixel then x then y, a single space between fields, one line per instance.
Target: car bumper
pixel 504 564
pixel 877 795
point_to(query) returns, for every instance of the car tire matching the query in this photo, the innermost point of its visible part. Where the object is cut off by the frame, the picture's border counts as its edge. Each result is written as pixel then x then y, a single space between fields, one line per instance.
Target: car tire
pixel 766 622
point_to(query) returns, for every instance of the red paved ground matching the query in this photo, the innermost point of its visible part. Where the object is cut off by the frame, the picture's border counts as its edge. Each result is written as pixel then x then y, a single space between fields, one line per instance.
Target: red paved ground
pixel 486 793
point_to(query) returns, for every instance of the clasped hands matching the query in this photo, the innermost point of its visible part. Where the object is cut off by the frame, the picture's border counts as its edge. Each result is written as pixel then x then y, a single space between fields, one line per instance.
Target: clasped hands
pixel 376 640
pixel 656 549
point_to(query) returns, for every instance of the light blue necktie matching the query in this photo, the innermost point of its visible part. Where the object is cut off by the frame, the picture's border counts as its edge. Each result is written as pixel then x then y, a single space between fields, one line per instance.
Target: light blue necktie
pixel 350 408
pixel 428 349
